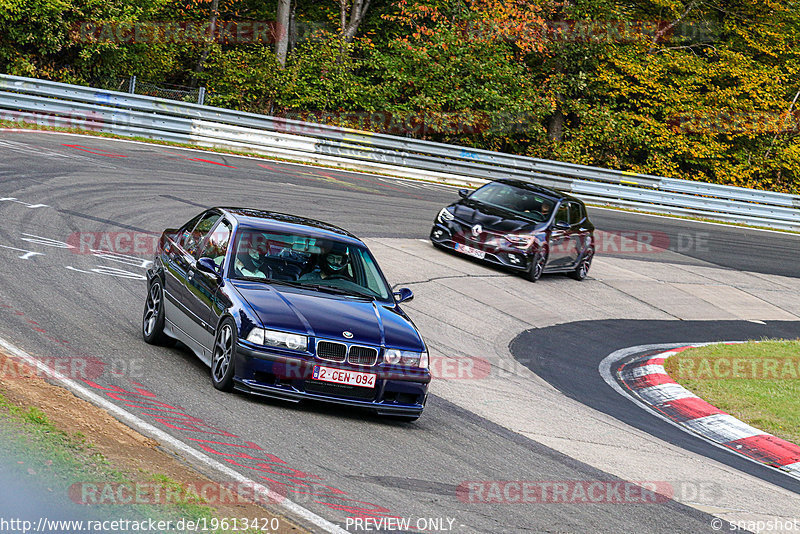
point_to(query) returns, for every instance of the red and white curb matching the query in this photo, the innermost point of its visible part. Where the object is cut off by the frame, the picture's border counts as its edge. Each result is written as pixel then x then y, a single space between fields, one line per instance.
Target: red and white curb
pixel 646 379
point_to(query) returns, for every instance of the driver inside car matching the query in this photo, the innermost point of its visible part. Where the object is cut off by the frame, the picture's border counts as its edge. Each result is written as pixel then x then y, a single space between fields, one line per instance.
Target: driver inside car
pixel 332 264
pixel 545 211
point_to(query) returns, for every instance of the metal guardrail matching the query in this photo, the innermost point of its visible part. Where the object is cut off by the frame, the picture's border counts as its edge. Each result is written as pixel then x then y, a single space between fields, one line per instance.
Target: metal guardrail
pixel 62 105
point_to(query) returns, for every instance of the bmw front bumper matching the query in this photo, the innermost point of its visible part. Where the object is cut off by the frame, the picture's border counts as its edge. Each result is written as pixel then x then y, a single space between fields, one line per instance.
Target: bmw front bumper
pixel 397 391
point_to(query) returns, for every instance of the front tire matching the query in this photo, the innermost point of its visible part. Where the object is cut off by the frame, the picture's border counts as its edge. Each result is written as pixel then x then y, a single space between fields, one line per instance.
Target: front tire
pixel 153 316
pixel 537 265
pixel 224 356
pixel 582 270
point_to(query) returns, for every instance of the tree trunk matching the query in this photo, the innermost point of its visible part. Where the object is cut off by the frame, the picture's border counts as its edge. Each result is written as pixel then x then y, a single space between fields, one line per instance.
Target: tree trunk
pixel 663 31
pixel 555 126
pixel 282 30
pixel 212 30
pixel 357 12
pixel 293 27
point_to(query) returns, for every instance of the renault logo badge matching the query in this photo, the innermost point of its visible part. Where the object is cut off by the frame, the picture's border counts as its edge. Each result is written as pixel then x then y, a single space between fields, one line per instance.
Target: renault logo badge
pixel 348 335
pixel 476 230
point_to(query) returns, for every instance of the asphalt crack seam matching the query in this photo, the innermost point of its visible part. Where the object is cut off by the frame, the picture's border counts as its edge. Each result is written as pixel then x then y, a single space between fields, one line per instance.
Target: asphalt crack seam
pixel 638 299
pixel 450 277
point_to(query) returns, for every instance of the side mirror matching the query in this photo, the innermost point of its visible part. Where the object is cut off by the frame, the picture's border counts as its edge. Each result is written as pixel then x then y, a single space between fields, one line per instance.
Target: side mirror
pixel 403 295
pixel 207 265
pixel 463 193
pixel 561 225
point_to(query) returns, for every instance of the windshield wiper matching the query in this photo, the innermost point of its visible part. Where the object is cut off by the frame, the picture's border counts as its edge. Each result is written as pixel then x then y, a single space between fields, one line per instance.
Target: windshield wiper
pixel 252 279
pixel 271 281
pixel 313 287
pixel 336 290
pixel 284 282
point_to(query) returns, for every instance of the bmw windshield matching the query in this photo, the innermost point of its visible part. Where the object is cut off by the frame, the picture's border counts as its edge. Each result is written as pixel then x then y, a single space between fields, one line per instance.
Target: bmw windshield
pixel 517 200
pixel 303 261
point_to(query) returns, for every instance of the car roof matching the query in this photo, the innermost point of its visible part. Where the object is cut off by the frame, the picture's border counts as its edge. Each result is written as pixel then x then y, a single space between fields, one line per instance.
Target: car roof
pixel 283 222
pixel 530 186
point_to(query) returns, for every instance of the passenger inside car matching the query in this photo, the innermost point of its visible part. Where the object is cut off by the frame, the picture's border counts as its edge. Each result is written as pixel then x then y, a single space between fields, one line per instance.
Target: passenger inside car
pixel 251 263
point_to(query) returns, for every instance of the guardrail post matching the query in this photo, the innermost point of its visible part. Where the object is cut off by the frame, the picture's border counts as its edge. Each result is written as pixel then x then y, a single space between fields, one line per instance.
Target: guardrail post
pixel 132 84
pixel 201 96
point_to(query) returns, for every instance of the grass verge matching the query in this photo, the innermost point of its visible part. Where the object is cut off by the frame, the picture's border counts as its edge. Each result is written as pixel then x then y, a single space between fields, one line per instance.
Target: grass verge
pixel 756 382
pixel 73 458
pixel 44 459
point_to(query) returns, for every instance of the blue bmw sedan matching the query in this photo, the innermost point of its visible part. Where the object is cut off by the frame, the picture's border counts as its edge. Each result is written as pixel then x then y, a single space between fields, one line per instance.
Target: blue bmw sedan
pixel 286 307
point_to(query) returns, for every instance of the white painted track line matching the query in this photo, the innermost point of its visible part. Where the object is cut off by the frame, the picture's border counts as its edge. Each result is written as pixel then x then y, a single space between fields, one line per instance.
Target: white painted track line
pixel 293 509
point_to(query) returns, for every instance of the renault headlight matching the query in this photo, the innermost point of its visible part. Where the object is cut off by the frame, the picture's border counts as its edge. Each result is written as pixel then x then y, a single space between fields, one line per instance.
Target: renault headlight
pixel 273 338
pixel 522 241
pixel 406 357
pixel 445 216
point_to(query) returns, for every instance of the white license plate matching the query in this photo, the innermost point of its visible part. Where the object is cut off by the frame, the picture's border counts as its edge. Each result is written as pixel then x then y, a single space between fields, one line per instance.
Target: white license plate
pixel 469 251
pixel 342 376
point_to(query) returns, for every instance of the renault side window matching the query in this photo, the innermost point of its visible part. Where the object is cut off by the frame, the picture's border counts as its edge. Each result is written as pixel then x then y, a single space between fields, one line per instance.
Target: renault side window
pixel 575 213
pixel 562 215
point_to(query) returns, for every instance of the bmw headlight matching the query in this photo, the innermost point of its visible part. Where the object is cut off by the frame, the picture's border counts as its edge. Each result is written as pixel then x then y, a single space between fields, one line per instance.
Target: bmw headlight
pixel 445 216
pixel 406 357
pixel 273 338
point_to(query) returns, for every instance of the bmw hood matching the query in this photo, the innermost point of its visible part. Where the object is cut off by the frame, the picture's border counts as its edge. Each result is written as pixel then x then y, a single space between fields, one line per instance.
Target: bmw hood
pixel 492 218
pixel 329 316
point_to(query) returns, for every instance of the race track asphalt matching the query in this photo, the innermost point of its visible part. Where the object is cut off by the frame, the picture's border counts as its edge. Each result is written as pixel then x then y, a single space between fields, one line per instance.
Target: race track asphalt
pixel 59 302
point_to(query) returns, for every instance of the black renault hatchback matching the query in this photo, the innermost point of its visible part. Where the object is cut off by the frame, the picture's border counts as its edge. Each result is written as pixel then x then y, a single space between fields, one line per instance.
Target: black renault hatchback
pixel 520 226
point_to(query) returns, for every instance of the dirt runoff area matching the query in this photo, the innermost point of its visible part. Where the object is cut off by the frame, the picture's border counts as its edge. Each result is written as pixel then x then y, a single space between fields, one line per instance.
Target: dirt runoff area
pixel 138 458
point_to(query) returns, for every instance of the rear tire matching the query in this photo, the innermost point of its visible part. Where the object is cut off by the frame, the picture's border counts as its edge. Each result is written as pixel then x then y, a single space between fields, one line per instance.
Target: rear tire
pixel 538 264
pixel 582 270
pixel 224 356
pixel 153 316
